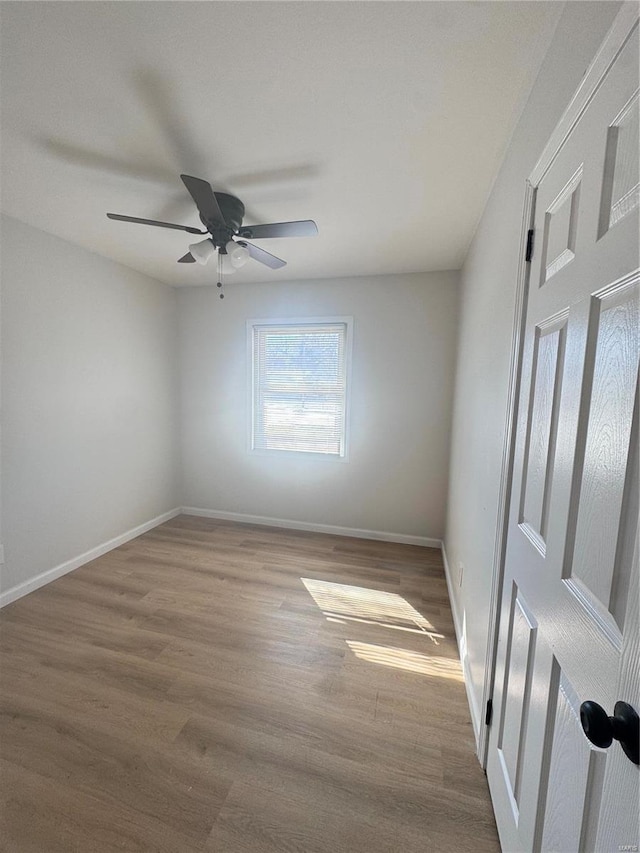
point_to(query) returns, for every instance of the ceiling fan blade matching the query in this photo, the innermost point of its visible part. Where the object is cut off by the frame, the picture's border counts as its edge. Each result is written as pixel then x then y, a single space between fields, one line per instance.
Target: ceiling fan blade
pixel 303 228
pixel 155 222
pixel 204 198
pixel 264 257
pixel 187 259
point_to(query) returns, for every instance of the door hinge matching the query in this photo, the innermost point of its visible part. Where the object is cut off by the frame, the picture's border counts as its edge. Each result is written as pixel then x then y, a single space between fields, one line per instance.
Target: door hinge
pixel 529 252
pixel 489 713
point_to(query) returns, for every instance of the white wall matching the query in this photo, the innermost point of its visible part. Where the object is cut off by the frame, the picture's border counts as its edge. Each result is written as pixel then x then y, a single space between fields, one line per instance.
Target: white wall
pixel 488 282
pixel 89 383
pixel 404 339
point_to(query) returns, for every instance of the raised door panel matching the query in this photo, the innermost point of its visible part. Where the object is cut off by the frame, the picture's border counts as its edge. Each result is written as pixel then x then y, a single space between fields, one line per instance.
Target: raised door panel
pixel 539 453
pixel 560 228
pixel 621 181
pixel 516 694
pixel 575 771
pixel 604 457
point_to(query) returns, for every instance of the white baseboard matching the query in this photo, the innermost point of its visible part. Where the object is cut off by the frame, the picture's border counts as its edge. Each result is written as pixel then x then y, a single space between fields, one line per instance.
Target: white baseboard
pixel 452 599
pixel 51 574
pixel 462 649
pixel 380 535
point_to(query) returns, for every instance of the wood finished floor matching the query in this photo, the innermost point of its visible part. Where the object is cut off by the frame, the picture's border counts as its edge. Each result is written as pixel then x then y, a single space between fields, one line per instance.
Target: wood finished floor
pixel 189 691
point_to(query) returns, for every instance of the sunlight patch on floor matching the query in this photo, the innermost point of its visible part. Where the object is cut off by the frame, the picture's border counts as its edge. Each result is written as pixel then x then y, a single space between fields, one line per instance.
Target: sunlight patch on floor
pixel 341 602
pixel 343 619
pixel 407 660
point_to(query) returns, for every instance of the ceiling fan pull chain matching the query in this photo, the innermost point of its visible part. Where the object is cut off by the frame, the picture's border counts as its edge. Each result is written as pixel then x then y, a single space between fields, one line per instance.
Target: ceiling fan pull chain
pixel 220 274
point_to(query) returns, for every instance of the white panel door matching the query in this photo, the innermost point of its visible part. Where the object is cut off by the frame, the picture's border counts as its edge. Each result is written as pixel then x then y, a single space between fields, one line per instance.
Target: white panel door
pixel 569 614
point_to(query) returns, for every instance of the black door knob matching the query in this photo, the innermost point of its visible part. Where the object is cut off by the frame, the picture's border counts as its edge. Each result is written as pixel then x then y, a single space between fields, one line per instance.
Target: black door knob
pixel 602 730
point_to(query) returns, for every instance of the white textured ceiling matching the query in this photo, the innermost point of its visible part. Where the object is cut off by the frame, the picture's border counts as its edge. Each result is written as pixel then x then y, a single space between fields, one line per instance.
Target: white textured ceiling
pixel 384 121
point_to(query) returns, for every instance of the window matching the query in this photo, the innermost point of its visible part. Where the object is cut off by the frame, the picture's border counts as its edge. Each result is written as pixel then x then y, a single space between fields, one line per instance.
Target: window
pixel 299 388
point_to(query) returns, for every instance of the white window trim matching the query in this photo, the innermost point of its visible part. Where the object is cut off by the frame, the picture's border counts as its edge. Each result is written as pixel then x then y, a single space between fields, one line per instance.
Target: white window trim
pixel 299 321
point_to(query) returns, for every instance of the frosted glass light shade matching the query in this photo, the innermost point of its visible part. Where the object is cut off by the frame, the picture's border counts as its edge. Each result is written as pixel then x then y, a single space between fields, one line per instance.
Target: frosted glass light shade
pixel 238 255
pixel 202 251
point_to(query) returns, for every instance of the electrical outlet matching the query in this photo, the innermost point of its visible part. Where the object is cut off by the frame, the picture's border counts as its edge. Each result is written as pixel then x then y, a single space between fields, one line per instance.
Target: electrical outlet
pixel 460 573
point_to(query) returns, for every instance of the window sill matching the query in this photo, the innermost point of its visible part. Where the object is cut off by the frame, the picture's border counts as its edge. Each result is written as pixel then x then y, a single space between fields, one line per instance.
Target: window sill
pixel 298 454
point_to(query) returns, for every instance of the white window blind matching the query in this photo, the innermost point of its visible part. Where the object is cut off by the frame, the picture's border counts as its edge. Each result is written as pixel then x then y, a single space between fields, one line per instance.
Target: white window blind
pixel 300 387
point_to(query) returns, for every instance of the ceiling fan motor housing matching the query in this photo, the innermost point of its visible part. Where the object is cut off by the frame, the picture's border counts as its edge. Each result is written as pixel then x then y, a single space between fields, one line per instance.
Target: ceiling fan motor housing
pixel 233 211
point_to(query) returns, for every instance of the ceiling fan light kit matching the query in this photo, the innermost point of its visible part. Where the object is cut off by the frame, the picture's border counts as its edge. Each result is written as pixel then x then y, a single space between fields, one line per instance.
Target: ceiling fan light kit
pixel 222 215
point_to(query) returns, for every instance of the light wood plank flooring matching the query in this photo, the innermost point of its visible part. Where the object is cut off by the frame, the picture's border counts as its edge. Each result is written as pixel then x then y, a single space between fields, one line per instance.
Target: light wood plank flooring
pixel 219 687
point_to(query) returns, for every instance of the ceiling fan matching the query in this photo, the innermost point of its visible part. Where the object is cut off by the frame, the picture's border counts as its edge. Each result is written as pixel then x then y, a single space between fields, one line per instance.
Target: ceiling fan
pixel 222 215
